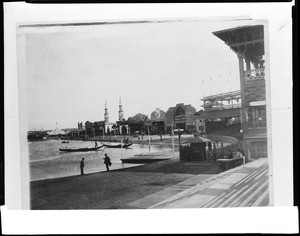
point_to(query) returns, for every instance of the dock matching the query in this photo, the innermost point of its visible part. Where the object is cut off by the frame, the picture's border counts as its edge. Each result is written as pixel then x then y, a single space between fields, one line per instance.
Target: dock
pixel 150 157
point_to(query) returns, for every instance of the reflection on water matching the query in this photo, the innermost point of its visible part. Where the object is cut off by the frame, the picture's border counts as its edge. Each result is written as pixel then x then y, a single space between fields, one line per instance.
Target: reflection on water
pixel 46 161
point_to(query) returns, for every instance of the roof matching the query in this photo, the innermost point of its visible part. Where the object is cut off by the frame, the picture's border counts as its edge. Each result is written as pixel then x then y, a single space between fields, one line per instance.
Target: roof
pixel 223 96
pixel 197 139
pixel 250 37
pixel 57 131
pixel 219 113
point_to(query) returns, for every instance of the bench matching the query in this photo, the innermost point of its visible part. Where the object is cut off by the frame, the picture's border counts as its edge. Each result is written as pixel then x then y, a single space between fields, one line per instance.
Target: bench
pixel 225 164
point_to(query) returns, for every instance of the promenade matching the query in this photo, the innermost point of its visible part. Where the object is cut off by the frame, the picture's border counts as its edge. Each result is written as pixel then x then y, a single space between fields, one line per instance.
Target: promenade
pixel 243 186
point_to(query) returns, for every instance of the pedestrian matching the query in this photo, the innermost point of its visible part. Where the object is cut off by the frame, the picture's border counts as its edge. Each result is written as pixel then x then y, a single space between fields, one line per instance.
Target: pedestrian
pixel 230 154
pixel 82 166
pixel 217 142
pixel 96 144
pixel 107 161
pixel 209 145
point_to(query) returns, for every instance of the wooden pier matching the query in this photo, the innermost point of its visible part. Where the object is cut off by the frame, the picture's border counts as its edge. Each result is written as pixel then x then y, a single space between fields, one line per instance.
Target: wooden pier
pixel 150 157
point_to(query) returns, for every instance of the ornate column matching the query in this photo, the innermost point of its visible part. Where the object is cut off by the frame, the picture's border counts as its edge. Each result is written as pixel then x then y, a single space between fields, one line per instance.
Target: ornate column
pixel 243 105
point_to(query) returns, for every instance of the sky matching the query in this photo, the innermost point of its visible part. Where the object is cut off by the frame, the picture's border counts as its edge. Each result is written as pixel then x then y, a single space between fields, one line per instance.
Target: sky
pixel 72 71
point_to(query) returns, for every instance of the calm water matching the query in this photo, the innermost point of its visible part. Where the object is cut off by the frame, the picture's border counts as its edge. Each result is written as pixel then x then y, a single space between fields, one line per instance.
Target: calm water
pixel 46 161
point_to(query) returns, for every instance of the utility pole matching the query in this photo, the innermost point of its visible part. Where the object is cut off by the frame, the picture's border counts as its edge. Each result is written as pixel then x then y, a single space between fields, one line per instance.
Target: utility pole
pixel 173 141
pixel 149 138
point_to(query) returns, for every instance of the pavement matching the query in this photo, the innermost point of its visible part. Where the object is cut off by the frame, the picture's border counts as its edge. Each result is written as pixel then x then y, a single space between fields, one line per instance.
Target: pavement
pixel 243 186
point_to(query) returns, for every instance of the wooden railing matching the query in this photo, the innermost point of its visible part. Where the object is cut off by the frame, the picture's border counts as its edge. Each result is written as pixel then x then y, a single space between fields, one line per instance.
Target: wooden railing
pixel 252 75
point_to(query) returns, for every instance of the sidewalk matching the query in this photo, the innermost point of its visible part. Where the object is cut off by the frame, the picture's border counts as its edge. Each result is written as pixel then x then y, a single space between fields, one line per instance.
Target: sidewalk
pixel 243 186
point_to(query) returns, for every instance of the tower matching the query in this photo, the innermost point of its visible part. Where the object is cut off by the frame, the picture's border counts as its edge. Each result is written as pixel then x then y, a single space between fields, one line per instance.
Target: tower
pixel 121 115
pixel 106 118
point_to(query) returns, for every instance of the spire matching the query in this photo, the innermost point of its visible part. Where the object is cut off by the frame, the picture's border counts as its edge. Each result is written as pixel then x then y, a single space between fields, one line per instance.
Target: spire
pixel 121 114
pixel 106 118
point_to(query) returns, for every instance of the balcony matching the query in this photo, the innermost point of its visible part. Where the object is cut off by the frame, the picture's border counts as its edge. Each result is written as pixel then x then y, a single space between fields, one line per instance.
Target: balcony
pixel 221 107
pixel 254 75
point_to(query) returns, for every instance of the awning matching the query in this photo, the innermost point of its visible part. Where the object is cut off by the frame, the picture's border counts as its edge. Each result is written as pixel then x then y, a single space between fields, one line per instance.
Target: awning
pixel 225 113
pixel 57 131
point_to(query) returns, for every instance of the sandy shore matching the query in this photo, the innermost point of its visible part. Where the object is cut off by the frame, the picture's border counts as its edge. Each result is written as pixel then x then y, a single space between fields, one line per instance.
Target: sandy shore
pixel 118 188
pixel 114 189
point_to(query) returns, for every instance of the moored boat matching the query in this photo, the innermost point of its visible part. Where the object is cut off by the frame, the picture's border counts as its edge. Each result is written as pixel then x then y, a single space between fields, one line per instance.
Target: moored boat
pixel 118 145
pixel 79 149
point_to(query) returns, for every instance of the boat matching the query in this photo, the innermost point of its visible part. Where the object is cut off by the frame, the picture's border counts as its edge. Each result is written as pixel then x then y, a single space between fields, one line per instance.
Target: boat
pixel 65 141
pixel 118 145
pixel 79 149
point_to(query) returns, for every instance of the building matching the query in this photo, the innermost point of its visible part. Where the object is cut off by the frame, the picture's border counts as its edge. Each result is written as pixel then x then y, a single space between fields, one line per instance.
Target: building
pixel 109 127
pixel 248 44
pixel 37 135
pixel 158 121
pixel 181 116
pixel 137 123
pixel 221 112
pixel 94 129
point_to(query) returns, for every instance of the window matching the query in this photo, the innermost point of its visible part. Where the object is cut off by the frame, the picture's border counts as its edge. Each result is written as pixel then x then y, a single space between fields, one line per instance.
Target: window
pixel 257 117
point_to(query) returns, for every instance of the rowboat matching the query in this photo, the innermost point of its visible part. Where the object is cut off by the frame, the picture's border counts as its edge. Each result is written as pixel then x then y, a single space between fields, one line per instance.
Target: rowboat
pixel 117 145
pixel 79 149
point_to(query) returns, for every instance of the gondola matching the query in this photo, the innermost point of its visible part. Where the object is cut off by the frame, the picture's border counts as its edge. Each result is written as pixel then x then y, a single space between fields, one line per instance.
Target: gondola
pixel 79 149
pixel 117 145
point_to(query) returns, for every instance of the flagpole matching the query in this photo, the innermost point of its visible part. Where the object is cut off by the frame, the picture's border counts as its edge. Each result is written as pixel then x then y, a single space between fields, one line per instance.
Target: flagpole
pixel 173 141
pixel 149 138
pixel 121 149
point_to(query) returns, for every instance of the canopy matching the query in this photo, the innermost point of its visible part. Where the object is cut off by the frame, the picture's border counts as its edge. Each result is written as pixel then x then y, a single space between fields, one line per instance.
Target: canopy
pixel 197 140
pixel 225 113
pixel 57 131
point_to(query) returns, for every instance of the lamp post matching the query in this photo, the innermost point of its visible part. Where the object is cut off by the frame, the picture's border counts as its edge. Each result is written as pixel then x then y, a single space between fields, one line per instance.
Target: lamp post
pixel 149 138
pixel 179 135
pixel 172 133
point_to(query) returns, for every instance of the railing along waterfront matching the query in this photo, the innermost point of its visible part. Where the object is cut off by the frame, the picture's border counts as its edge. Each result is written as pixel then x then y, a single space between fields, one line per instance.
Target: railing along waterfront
pixel 253 75
pixel 223 107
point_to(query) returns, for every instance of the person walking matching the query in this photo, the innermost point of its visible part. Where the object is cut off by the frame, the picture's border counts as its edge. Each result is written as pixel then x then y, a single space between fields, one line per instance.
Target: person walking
pixel 82 166
pixel 230 154
pixel 107 161
pixel 209 145
pixel 96 144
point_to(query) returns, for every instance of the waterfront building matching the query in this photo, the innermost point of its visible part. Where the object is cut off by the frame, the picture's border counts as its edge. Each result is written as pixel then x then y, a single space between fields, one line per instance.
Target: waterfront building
pixel 181 117
pixel 137 123
pixel 123 127
pixel 248 43
pixel 37 135
pixel 221 114
pixel 81 130
pixel 94 129
pixel 158 122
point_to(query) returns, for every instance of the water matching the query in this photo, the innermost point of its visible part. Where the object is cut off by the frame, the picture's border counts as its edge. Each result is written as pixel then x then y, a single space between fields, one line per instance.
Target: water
pixel 46 161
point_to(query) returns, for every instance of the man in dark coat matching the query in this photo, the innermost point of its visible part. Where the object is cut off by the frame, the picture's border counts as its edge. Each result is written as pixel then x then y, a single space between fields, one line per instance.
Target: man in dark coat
pixel 107 161
pixel 82 166
pixel 230 154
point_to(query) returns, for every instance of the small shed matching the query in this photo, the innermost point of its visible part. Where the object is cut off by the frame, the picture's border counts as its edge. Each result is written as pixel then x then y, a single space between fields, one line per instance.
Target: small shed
pixel 194 149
